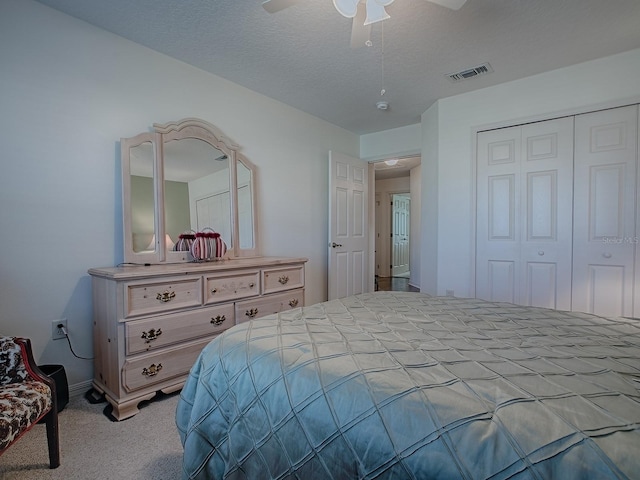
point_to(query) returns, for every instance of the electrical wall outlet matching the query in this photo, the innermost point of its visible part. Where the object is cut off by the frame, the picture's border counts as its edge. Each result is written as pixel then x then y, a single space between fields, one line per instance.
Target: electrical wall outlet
pixel 56 330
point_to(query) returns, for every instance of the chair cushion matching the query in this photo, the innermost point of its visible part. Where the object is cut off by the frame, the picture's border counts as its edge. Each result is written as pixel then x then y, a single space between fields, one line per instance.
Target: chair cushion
pixel 21 406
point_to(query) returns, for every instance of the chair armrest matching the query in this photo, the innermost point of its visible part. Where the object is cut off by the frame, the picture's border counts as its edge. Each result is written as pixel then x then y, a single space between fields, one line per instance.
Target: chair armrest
pixel 33 369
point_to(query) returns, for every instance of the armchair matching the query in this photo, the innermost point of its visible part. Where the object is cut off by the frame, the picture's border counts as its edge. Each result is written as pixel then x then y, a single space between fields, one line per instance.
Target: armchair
pixel 26 396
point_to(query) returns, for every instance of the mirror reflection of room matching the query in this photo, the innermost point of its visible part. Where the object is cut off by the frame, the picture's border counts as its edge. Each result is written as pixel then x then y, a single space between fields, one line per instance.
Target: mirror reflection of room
pixel 196 192
pixel 181 180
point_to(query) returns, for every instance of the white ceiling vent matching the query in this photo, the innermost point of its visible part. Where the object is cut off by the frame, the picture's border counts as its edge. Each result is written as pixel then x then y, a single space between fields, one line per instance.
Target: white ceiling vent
pixel 470 73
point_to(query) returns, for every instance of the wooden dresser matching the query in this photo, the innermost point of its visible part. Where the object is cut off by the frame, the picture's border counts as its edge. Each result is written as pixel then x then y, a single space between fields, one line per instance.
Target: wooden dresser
pixel 151 322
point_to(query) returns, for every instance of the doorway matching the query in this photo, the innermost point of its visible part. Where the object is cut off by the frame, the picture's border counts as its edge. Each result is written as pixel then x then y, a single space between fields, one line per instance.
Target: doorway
pixel 397 224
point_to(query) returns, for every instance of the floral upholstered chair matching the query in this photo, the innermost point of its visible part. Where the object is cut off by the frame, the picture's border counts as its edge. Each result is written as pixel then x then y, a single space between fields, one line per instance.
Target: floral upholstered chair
pixel 26 396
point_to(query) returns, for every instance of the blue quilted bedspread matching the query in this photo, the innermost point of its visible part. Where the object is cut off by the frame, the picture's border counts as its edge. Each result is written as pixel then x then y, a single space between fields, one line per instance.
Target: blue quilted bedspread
pixel 402 385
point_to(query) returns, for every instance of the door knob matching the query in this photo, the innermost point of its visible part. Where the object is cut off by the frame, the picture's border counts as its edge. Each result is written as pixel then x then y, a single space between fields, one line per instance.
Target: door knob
pixel 334 244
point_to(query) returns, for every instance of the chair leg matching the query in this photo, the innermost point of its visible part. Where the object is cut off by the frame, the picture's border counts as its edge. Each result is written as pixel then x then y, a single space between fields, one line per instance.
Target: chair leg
pixel 53 438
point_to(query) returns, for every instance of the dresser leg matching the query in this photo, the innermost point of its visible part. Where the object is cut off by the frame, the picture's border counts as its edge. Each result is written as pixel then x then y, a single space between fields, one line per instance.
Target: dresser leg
pixel 127 408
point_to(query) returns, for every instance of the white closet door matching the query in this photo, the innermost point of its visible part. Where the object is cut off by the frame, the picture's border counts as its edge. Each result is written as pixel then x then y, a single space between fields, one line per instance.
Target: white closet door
pixel 498 217
pixel 547 197
pixel 215 212
pixel 604 211
pixel 524 214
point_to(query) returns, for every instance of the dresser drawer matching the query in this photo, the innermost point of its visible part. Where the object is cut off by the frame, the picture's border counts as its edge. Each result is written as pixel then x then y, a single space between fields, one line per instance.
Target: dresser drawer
pixel 284 278
pixel 231 286
pixel 151 369
pixel 152 333
pixel 268 305
pixel 143 298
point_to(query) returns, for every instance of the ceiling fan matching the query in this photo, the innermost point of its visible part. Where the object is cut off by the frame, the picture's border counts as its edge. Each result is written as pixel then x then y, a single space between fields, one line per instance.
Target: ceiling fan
pixel 363 12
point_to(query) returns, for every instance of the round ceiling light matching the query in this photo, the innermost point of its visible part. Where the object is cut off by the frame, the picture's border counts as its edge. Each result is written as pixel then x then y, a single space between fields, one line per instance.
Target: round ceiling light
pixel 382 105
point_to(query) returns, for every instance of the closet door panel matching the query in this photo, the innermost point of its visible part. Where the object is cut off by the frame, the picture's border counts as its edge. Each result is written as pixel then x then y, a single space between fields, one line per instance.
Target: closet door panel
pixel 604 211
pixel 501 281
pixel 605 285
pixel 498 210
pixel 547 192
pixel 542 284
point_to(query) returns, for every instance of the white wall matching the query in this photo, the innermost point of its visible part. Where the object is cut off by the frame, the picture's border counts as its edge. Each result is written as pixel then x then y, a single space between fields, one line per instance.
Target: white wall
pixel 448 149
pixel 396 142
pixel 430 186
pixel 68 93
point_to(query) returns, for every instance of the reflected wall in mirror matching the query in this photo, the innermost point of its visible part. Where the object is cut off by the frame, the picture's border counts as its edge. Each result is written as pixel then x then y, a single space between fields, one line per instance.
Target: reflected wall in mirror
pixel 185 177
pixel 142 197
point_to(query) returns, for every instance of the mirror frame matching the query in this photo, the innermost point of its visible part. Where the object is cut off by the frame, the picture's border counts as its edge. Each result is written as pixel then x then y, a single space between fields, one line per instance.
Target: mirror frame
pixel 162 133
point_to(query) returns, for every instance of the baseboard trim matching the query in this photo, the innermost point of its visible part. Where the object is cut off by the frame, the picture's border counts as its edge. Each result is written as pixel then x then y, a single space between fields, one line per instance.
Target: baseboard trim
pixel 79 389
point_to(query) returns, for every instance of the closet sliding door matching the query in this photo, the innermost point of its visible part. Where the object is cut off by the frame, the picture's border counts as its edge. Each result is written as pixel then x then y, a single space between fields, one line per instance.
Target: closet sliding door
pixel 605 238
pixel 524 214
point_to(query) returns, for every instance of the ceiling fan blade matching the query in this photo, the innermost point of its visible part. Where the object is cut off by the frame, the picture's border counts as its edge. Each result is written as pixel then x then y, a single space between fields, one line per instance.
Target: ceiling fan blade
pixel 360 33
pixel 273 6
pixel 452 4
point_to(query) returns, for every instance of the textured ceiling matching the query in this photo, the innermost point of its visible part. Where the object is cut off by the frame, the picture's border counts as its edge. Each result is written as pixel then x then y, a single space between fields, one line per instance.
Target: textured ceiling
pixel 301 55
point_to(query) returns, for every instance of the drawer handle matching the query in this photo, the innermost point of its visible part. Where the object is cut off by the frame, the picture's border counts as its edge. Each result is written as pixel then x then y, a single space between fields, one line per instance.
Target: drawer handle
pixel 151 335
pixel 251 313
pixel 219 320
pixel 251 285
pixel 283 279
pixel 165 297
pixel 293 302
pixel 152 371
pixel 214 290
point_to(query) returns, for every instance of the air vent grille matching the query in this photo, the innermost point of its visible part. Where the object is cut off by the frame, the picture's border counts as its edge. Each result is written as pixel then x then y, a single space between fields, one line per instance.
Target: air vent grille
pixel 470 73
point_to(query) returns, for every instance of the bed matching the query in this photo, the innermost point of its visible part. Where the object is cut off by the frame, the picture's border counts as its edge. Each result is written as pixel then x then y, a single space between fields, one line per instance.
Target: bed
pixel 396 385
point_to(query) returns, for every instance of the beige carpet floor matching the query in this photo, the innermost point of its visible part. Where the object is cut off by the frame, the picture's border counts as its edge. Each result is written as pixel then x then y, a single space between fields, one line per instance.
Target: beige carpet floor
pixel 92 446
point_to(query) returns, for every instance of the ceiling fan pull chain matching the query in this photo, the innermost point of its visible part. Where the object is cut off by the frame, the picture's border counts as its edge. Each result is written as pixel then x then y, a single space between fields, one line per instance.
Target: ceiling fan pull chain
pixel 383 90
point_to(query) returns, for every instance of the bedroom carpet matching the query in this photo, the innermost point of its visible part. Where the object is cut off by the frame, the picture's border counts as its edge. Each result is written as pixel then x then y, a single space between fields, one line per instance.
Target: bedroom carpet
pixel 146 446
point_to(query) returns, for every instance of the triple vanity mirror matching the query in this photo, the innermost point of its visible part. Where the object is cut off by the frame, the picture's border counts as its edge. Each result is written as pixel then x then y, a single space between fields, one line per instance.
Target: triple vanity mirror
pixel 181 178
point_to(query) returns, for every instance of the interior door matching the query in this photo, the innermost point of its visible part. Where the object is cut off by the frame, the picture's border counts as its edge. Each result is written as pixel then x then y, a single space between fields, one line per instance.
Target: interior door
pixel 604 216
pixel 348 269
pixel 400 231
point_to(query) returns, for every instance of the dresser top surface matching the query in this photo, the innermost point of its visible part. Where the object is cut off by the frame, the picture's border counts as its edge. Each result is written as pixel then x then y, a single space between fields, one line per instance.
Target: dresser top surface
pixel 141 271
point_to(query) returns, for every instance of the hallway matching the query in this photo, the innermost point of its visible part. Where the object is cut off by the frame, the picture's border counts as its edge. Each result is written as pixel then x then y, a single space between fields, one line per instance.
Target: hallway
pixel 396 284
